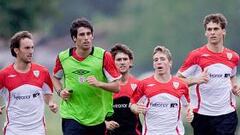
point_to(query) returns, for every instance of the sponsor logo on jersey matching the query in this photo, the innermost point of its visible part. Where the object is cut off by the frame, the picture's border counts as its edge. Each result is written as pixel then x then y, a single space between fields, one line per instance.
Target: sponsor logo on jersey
pixel 215 75
pixel 82 79
pixel 159 104
pixel 173 105
pixel 164 105
pixel 229 56
pixel 81 72
pixel 36 94
pixel 120 106
pixel 18 97
pixel 36 73
pixel 176 85
pixel 133 86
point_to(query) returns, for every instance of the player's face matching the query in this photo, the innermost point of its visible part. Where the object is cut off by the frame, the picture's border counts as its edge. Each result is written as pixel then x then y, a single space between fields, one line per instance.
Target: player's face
pixel 161 64
pixel 84 38
pixel 122 62
pixel 25 50
pixel 214 33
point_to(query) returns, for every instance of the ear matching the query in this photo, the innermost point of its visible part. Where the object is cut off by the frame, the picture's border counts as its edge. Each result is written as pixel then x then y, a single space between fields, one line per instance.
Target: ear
pixel 16 50
pixel 224 32
pixel 205 33
pixel 170 64
pixel 131 63
pixel 74 39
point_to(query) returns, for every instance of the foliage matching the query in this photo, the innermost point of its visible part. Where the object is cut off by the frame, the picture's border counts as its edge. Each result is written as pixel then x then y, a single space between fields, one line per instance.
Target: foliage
pixel 25 15
pixel 176 24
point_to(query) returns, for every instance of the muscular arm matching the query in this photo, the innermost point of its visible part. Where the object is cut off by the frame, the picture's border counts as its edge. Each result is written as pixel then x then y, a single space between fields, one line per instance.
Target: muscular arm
pixel 110 86
pixel 202 78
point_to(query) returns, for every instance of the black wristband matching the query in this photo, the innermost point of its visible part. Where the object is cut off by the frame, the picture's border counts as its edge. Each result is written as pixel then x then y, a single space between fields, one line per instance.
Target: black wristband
pixel 58 92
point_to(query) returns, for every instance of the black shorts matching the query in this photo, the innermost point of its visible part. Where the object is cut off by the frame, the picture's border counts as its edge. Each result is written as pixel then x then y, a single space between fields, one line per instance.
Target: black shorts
pixel 215 125
pixel 72 127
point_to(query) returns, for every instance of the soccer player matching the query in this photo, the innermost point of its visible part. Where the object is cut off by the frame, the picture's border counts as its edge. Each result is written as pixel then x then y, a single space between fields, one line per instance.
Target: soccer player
pixel 89 79
pixel 211 69
pixel 123 121
pixel 25 86
pixel 165 95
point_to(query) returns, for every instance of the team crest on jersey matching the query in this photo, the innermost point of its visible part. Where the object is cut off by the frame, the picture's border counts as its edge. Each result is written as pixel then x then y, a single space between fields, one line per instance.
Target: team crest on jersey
pixel 36 73
pixel 229 56
pixel 82 79
pixel 133 86
pixel 176 85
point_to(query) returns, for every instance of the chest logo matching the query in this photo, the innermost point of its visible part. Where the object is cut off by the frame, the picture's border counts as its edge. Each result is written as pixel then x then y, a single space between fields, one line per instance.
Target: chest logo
pixel 133 86
pixel 36 73
pixel 176 85
pixel 229 56
pixel 81 72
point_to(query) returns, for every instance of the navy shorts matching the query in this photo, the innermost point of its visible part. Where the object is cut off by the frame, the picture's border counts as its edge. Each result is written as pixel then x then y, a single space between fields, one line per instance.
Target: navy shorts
pixel 215 125
pixel 72 127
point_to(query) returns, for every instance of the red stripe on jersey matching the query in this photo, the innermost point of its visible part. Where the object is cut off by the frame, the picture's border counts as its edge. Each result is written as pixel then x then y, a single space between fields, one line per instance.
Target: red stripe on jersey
pixel 199 99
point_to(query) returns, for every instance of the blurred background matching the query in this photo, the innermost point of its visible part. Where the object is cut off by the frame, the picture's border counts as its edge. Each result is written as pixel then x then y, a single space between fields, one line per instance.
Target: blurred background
pixel 141 25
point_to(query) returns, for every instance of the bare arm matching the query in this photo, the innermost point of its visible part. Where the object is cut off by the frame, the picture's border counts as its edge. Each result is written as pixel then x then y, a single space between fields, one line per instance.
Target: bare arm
pixel 63 93
pixel 203 78
pixel 235 86
pixel 110 86
pixel 49 101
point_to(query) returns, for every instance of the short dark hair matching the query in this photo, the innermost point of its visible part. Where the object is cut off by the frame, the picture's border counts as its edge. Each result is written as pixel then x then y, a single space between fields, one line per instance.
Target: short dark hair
pixel 215 18
pixel 80 22
pixel 121 48
pixel 16 38
pixel 164 50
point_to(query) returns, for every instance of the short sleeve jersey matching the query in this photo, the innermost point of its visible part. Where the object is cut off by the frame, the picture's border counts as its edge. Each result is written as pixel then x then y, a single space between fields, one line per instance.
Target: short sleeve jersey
pixel 164 105
pixel 214 97
pixel 127 120
pixel 23 95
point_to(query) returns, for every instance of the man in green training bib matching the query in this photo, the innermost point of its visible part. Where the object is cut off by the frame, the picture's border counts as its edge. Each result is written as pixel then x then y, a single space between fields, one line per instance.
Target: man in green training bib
pixel 85 77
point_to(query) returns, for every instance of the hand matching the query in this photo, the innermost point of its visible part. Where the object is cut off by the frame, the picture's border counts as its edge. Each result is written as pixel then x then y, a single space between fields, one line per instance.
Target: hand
pixel 93 81
pixel 65 94
pixel 111 125
pixel 53 107
pixel 190 114
pixel 203 78
pixel 236 90
pixel 138 108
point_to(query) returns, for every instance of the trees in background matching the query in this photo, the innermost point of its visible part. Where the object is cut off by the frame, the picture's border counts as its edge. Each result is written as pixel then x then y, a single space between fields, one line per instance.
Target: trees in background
pixel 18 15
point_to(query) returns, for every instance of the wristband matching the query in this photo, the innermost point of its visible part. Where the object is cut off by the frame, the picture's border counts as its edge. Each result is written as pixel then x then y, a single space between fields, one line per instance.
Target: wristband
pixel 59 91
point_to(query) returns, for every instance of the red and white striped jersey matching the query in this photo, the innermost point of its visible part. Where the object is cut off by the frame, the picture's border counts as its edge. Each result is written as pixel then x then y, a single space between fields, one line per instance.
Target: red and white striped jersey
pixel 214 97
pixel 23 95
pixel 164 105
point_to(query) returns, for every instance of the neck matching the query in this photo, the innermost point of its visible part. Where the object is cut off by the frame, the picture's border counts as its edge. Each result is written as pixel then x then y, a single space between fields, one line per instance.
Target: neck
pixel 164 78
pixel 124 78
pixel 217 48
pixel 21 67
pixel 83 53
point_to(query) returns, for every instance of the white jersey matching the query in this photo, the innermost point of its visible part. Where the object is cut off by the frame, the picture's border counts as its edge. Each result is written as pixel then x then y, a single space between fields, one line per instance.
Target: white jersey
pixel 23 95
pixel 214 97
pixel 164 105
